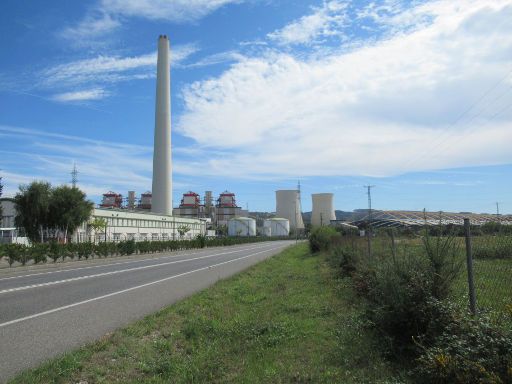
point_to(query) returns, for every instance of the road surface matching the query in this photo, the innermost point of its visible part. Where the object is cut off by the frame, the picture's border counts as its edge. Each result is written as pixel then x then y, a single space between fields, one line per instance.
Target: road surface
pixel 50 310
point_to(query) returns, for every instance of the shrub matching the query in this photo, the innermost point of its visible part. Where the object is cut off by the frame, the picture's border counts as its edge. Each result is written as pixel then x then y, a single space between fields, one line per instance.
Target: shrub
pixel 445 262
pixel 55 251
pixel 69 250
pixel 14 253
pixel 38 252
pixel 470 350
pixel 405 293
pixel 85 250
pixel 321 238
pixel 200 241
pixel 347 259
pixel 126 247
pixel 101 249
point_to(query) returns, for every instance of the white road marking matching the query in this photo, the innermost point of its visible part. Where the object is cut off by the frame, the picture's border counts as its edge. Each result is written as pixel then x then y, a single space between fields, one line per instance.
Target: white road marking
pixel 127 290
pixel 110 264
pixel 8 290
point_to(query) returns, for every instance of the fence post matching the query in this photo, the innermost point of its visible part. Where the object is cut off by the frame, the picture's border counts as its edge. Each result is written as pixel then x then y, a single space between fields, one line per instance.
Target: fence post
pixel 469 261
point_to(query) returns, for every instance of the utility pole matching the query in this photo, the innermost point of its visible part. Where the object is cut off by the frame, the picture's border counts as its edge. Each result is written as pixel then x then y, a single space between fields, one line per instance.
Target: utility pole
pixel 498 212
pixel 369 226
pixel 297 213
pixel 74 176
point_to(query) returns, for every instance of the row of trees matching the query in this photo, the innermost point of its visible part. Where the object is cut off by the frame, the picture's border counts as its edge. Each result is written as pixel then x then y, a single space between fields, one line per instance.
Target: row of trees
pixel 47 212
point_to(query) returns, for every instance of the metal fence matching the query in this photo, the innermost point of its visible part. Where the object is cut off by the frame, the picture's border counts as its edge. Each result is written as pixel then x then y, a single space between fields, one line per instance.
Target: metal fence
pixel 489 272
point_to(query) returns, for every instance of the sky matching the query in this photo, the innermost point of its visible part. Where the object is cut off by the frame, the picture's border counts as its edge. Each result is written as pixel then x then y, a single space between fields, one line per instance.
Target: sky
pixel 412 97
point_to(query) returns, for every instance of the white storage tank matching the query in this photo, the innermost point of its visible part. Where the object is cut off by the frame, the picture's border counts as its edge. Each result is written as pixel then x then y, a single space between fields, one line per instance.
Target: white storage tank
pixel 323 209
pixel 242 226
pixel 266 230
pixel 288 207
pixel 278 226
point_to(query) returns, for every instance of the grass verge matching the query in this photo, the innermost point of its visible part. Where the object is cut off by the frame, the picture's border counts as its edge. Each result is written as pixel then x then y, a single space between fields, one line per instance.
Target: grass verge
pixel 288 319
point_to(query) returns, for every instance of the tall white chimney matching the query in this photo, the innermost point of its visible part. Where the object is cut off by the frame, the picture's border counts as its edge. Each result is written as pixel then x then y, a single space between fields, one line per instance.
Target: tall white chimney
pixel 162 161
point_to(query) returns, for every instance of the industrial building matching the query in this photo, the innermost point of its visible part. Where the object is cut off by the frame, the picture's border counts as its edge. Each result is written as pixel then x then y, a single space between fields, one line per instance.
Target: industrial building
pixel 121 224
pixel 288 206
pixel 323 209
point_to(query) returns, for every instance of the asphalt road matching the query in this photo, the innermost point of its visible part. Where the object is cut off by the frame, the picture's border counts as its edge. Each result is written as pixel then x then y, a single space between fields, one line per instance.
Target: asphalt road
pixel 47 311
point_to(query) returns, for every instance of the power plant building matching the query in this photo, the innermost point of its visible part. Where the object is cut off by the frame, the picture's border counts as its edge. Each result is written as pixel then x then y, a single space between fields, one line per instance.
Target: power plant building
pixel 226 208
pixel 323 209
pixel 288 207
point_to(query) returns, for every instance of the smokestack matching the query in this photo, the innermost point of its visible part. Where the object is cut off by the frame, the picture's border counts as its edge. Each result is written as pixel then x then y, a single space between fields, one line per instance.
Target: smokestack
pixel 162 161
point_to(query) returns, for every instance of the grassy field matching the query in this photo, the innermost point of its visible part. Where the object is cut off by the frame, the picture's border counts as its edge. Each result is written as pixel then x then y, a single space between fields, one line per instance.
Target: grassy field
pixel 492 266
pixel 493 284
pixel 288 319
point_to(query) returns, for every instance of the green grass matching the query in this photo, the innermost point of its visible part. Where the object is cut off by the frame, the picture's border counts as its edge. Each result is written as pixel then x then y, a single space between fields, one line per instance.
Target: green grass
pixel 286 320
pixel 493 284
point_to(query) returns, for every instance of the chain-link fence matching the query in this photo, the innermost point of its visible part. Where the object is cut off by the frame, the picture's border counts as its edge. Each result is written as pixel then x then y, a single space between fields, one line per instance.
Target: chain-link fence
pixel 491 261
pixel 492 272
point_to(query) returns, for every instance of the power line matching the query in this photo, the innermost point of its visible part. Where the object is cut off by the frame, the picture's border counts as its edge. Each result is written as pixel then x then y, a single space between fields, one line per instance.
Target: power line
pixel 447 133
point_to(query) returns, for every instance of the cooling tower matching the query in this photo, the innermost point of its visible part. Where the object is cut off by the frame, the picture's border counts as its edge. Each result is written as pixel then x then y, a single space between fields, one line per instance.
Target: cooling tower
pixel 288 207
pixel 323 209
pixel 162 162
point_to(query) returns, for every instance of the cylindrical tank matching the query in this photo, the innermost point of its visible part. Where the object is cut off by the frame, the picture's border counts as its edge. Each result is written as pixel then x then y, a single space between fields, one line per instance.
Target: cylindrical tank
pixel 278 226
pixel 242 226
pixel 323 209
pixel 288 207
pixel 266 230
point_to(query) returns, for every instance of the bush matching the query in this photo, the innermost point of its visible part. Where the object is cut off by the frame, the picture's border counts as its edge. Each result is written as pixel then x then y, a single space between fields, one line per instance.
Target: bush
pixel 201 241
pixel 348 259
pixel 14 253
pixel 55 251
pixel 405 293
pixel 126 247
pixel 445 262
pixel 470 350
pixel 321 238
pixel 38 252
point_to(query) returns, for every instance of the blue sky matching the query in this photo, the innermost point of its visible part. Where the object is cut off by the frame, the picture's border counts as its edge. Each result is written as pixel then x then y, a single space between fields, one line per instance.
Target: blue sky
pixel 414 97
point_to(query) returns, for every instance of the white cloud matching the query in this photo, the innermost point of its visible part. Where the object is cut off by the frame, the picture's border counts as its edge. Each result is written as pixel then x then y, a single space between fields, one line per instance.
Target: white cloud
pixel 85 95
pixel 387 107
pixel 176 10
pixel 325 21
pixel 217 58
pixel 103 70
pixel 108 15
pixel 94 25
pixel 102 165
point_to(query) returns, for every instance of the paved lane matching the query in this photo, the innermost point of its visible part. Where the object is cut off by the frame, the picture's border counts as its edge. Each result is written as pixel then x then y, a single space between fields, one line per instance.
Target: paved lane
pixel 46 312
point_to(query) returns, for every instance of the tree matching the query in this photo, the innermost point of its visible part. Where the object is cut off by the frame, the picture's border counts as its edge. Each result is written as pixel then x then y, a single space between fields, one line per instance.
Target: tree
pixel 68 209
pixel 32 207
pixel 182 230
pixel 41 209
pixel 98 224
